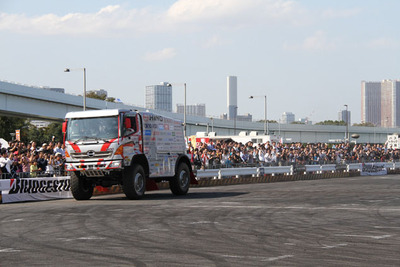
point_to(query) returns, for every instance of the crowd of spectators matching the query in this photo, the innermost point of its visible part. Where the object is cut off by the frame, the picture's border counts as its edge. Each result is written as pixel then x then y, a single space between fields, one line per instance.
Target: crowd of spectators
pixel 228 153
pixel 22 160
pixel 28 160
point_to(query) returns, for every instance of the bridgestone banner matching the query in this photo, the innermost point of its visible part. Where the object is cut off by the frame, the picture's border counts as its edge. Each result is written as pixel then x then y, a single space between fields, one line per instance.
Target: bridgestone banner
pixel 34 189
pixel 378 168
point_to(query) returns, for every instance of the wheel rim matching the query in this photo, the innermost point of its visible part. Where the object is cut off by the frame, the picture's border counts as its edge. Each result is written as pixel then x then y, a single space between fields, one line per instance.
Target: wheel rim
pixel 139 182
pixel 183 179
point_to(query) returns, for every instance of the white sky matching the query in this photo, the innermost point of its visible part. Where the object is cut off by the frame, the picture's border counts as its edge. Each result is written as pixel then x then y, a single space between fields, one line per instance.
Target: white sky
pixel 308 56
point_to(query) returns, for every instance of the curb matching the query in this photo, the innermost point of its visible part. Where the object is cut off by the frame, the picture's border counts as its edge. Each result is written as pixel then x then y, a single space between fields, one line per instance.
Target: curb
pixel 207 182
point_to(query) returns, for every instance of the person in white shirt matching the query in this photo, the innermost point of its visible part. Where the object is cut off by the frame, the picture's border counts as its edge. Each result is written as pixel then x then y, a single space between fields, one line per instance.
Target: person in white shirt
pixel 6 162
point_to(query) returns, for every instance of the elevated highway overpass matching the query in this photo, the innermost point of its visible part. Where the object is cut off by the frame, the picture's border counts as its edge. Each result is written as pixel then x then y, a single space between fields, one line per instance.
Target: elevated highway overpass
pixel 42 103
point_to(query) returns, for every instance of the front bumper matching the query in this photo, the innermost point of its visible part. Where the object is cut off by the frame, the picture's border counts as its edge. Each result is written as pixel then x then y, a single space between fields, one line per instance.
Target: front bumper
pixel 94 168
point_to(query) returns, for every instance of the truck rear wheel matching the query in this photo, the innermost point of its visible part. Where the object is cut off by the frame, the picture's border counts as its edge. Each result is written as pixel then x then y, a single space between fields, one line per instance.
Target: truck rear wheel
pixel 180 183
pixel 81 189
pixel 134 182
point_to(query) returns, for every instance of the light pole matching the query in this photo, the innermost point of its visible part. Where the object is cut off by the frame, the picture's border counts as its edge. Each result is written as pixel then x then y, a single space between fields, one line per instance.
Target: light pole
pixel 84 84
pixel 346 135
pixel 265 112
pixel 234 125
pixel 184 107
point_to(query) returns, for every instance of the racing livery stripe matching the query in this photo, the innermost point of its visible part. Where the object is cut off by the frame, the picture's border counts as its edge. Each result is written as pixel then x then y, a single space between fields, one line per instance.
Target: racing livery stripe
pixel 75 147
pixel 107 144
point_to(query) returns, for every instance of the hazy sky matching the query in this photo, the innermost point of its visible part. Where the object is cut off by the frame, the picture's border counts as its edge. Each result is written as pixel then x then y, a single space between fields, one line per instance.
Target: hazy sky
pixel 308 56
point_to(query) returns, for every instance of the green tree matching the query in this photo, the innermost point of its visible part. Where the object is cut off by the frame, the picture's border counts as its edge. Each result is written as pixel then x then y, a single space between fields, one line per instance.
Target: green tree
pixel 8 125
pixel 269 121
pixel 331 122
pixel 364 124
pixel 100 97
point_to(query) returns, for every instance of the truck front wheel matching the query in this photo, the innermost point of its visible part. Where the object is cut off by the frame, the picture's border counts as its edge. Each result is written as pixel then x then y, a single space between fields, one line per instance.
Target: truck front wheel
pixel 81 189
pixel 179 184
pixel 134 182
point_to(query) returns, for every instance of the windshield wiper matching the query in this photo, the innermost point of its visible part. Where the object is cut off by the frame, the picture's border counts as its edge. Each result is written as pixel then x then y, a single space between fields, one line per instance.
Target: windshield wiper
pixel 83 138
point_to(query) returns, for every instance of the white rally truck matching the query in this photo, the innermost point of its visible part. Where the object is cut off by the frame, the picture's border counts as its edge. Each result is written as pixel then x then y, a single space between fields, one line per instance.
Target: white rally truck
pixel 130 148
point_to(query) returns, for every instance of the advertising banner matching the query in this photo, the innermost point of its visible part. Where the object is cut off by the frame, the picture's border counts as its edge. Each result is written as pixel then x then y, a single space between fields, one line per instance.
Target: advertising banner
pixel 378 168
pixel 34 189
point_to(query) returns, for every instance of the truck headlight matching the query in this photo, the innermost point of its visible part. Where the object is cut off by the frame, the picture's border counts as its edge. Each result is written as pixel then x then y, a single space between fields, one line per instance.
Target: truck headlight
pixel 114 165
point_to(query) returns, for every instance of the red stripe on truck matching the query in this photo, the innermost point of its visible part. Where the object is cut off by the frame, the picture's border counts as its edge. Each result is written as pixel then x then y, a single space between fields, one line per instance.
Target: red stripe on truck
pixel 107 144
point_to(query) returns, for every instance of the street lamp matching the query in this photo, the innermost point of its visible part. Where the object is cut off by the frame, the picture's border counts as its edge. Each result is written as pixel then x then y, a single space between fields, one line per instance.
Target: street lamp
pixel 346 135
pixel 266 131
pixel 84 84
pixel 184 107
pixel 234 125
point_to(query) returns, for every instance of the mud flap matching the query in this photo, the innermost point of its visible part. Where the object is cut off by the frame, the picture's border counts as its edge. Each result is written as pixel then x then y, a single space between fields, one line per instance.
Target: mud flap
pixel 102 189
pixel 151 185
pixel 193 178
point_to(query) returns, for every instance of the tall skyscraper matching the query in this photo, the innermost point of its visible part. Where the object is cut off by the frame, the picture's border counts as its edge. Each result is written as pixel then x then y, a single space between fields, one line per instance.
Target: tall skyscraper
pixel 159 97
pixel 345 115
pixel 287 117
pixel 232 97
pixel 380 103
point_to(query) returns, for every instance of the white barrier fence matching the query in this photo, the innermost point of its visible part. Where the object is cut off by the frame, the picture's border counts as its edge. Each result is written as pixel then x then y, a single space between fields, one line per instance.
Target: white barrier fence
pixel 44 188
pixel 288 170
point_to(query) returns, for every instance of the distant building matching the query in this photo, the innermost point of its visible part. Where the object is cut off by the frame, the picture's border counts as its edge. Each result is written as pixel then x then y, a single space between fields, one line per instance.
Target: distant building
pixel 345 115
pixel 224 116
pixel 371 102
pixel 40 124
pixel 245 117
pixel 380 103
pixel 305 121
pixel 287 117
pixel 159 97
pixel 231 89
pixel 58 90
pixel 195 110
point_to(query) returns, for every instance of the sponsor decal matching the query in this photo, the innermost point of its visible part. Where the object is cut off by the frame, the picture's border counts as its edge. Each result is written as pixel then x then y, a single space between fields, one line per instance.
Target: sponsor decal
pixel 39 186
pixel 33 189
pixel 155 118
pixel 374 169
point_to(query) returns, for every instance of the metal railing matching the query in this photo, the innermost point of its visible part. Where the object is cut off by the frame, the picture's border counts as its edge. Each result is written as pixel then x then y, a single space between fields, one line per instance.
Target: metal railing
pixel 18 175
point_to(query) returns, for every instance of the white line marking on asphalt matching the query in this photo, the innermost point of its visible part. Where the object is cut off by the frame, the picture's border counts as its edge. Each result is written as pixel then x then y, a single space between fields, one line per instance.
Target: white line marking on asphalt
pixel 366 236
pixel 259 258
pixel 91 238
pixel 335 246
pixel 279 258
pixel 9 250
pixel 15 220
pixel 294 208
pixel 387 227
pixel 81 238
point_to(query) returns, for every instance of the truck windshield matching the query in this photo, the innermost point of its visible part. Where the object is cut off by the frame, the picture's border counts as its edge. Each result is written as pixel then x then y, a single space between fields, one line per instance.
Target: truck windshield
pixel 81 129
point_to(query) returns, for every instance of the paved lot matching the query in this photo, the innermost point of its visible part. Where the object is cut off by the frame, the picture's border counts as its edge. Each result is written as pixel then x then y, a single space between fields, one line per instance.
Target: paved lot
pixel 336 222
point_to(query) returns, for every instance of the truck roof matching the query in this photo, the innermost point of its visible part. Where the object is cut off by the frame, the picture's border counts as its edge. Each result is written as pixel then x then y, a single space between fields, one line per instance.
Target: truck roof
pixel 95 113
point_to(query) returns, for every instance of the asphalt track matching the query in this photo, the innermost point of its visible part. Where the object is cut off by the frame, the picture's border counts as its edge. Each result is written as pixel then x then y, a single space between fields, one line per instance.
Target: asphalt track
pixel 333 222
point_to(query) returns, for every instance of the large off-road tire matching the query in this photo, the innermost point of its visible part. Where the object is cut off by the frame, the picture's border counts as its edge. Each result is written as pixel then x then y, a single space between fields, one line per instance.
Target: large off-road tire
pixel 81 189
pixel 134 182
pixel 179 184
